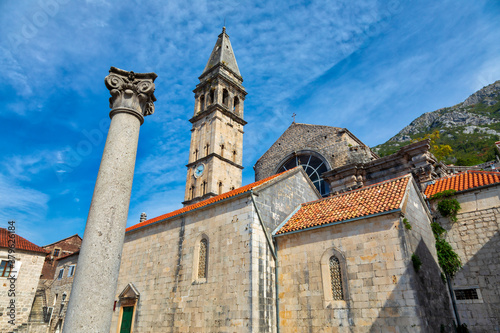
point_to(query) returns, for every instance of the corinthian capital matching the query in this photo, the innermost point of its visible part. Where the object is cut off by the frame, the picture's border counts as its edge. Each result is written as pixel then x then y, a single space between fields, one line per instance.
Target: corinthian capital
pixel 131 92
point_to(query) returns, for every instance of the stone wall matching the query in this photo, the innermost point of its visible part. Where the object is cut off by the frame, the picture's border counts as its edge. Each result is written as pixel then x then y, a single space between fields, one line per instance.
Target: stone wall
pixel 161 261
pixel 24 286
pixel 276 202
pixel 58 289
pixel 476 239
pixel 237 295
pixel 336 145
pixel 382 291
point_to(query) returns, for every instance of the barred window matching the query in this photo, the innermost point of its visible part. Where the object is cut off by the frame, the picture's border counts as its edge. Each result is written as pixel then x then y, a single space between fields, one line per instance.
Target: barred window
pixel 202 263
pixel 463 294
pixel 336 279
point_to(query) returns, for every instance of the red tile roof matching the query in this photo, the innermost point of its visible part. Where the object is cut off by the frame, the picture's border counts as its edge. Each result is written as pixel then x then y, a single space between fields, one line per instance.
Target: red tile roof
pixel 366 201
pixel 463 181
pixel 20 243
pixel 207 202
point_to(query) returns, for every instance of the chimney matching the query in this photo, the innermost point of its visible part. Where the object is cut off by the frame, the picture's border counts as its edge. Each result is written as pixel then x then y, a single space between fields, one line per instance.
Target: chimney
pixel 143 218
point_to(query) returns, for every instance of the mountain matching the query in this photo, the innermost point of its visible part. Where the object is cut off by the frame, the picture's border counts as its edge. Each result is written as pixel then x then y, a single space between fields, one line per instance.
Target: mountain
pixel 470 128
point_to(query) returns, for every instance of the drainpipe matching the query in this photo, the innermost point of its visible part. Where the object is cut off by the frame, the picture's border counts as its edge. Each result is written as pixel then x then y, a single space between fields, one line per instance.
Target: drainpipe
pixel 452 294
pixel 274 252
pixel 276 287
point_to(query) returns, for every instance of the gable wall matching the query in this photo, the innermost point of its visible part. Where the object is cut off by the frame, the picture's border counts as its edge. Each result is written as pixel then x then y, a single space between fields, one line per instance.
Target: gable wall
pixel 383 291
pixel 158 260
pixel 278 201
pixel 333 143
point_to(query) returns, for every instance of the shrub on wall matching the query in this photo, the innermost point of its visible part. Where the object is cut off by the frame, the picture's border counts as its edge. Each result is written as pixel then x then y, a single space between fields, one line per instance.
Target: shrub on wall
pixel 447 257
pixel 447 207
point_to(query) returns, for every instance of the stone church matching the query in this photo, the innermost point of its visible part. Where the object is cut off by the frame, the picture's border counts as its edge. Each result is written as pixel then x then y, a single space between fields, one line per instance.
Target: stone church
pixel 317 243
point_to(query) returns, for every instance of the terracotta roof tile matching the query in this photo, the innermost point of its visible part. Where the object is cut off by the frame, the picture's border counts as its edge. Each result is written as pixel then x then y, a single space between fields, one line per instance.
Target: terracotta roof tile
pixel 463 181
pixel 207 202
pixel 20 244
pixel 369 200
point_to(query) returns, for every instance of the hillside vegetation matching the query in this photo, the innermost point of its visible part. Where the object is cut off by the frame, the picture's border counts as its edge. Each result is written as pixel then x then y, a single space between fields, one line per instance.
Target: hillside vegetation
pixel 471 128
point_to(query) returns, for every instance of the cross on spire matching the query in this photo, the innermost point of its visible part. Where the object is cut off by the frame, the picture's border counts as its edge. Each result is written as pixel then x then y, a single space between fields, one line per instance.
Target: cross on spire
pixel 293 116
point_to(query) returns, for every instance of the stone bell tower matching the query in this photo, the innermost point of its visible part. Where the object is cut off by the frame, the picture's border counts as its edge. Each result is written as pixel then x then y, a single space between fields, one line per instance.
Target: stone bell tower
pixel 215 156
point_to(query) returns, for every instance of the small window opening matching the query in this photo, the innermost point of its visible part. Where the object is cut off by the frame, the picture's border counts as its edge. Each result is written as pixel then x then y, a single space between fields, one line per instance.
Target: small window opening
pixel 222 150
pixel 212 96
pixel 5 268
pixel 204 187
pixel 56 252
pixel 236 105
pixel 463 294
pixel 225 97
pixel 231 188
pixel 234 155
pixel 206 149
pixel 220 187
pixel 336 279
pixel 195 154
pixel 202 102
pixel 61 273
pixel 192 192
pixel 202 263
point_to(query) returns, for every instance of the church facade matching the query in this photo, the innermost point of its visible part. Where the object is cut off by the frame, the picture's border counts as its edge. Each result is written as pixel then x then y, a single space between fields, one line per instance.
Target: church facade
pixel 322 241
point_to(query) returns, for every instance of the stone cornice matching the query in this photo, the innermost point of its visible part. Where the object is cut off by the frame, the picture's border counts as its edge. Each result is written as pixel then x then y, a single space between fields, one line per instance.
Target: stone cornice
pixel 221 76
pixel 131 92
pixel 217 107
pixel 198 199
pixel 205 158
pixel 221 65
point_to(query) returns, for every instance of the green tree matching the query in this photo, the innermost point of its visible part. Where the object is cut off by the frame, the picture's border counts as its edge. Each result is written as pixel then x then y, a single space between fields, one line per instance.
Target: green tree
pixel 440 151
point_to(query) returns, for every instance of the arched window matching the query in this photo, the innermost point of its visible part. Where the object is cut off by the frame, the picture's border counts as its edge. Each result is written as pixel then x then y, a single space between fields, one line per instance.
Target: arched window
pixel 202 102
pixel 234 155
pixel 334 276
pixel 236 105
pixel 222 150
pixel 336 279
pixel 192 192
pixel 212 96
pixel 225 97
pixel 203 259
pixel 204 188
pixel 314 168
pixel 220 187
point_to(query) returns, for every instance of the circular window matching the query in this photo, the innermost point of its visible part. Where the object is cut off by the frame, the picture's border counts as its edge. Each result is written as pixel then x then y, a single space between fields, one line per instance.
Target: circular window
pixel 313 166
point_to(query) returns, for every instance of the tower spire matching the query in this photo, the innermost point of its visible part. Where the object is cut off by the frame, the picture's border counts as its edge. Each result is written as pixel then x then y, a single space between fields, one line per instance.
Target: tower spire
pixel 222 55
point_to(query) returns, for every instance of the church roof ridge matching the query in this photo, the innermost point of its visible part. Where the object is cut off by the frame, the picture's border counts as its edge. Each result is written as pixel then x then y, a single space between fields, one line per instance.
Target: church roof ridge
pixel 463 181
pixel 382 197
pixel 222 54
pixel 210 201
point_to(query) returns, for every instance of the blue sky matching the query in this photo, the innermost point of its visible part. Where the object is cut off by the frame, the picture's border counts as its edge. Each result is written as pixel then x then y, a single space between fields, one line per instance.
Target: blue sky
pixel 370 66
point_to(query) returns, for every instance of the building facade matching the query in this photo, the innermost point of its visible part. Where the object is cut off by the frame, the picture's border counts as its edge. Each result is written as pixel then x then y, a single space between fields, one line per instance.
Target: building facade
pixel 20 267
pixel 330 237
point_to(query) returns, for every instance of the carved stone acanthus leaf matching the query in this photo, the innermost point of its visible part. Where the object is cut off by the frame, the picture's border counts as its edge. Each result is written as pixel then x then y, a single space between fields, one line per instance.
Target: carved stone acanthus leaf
pixel 131 92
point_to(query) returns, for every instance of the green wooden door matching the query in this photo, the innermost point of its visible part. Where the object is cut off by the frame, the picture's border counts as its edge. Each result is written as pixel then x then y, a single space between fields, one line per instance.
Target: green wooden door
pixel 126 326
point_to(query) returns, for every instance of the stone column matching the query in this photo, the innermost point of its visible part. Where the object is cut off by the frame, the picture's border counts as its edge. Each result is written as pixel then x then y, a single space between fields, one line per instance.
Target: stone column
pixel 90 306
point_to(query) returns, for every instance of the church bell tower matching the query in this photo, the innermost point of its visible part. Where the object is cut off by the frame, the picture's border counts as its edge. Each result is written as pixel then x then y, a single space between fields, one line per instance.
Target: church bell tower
pixel 215 156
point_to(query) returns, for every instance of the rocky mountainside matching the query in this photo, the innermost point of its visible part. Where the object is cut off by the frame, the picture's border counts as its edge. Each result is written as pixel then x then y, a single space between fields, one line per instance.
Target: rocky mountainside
pixel 470 128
